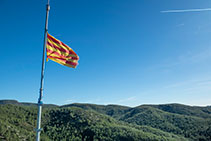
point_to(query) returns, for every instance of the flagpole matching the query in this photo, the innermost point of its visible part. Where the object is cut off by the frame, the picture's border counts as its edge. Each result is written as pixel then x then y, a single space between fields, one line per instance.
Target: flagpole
pixel 39 104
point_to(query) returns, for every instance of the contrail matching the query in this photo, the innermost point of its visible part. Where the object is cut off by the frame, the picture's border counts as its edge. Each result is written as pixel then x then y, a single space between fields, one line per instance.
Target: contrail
pixel 186 10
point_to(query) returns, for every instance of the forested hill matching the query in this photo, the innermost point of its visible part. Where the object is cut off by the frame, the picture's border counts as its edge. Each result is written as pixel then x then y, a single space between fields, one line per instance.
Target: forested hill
pixel 15 102
pixel 111 122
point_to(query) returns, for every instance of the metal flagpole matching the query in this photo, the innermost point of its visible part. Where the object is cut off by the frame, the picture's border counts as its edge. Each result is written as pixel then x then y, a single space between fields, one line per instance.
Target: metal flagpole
pixel 39 104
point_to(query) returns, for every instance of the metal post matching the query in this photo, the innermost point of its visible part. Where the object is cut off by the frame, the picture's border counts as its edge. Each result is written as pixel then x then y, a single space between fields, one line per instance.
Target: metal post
pixel 39 104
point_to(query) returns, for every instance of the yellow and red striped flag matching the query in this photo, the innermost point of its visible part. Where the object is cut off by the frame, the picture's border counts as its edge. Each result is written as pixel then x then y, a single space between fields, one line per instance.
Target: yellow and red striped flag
pixel 61 53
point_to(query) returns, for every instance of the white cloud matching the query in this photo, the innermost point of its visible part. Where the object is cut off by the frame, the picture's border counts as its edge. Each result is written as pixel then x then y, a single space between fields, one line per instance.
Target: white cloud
pixel 186 10
pixel 179 25
pixel 191 84
pixel 184 59
pixel 68 101
pixel 127 99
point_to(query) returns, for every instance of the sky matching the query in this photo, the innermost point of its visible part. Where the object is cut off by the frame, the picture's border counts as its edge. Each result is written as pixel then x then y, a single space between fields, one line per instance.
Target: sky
pixel 132 52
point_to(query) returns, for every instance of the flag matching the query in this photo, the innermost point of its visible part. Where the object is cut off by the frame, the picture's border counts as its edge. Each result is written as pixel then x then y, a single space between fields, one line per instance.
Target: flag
pixel 60 52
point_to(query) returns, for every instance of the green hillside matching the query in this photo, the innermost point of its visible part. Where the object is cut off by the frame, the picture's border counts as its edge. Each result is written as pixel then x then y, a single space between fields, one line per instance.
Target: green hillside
pixel 115 111
pixel 196 128
pixel 204 112
pixel 98 122
pixel 189 121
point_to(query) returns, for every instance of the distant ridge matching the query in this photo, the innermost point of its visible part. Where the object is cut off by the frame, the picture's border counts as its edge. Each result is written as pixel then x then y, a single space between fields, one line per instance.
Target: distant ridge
pixel 165 107
pixel 15 102
pixel 9 102
pixel 175 108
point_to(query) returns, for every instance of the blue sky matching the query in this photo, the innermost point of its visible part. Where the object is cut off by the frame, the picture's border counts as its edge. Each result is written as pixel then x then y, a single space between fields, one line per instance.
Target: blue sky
pixel 132 52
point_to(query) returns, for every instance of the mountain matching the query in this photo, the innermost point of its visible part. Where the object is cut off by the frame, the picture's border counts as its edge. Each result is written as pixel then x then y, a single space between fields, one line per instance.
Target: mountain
pixel 194 127
pixel 15 102
pixel 105 122
pixel 203 112
pixel 114 111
